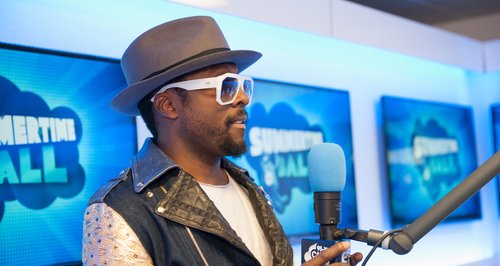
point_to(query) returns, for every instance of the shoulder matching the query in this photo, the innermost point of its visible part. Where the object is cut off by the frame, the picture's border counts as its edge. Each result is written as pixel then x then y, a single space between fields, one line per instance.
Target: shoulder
pixel 108 239
pixel 103 191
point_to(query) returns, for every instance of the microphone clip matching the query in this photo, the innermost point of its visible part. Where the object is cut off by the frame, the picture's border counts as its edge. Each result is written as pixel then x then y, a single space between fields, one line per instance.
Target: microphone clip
pixel 396 240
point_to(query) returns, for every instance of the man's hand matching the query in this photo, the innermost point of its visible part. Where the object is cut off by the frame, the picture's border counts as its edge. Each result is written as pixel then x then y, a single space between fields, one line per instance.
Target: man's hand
pixel 331 252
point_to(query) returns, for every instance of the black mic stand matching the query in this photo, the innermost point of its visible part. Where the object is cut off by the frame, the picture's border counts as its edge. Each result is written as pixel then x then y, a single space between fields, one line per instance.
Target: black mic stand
pixel 401 240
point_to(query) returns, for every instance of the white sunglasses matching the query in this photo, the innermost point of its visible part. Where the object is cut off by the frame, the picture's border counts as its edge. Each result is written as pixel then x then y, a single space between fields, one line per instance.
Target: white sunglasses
pixel 226 87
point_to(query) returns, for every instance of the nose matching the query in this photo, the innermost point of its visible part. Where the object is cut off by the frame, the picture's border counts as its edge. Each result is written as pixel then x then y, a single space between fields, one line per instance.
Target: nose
pixel 241 98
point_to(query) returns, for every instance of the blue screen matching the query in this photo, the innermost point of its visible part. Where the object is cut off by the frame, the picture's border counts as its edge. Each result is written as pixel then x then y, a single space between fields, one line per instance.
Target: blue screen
pixel 430 148
pixel 285 121
pixel 59 142
pixel 495 112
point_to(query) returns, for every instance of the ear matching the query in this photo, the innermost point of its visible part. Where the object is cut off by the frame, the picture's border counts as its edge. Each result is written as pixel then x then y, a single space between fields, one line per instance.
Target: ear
pixel 165 106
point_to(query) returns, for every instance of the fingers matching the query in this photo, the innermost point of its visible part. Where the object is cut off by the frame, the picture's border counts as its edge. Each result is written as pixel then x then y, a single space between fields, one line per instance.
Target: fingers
pixel 356 258
pixel 328 254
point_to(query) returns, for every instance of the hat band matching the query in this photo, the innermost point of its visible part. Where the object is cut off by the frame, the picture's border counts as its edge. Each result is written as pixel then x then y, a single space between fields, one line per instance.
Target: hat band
pixel 204 53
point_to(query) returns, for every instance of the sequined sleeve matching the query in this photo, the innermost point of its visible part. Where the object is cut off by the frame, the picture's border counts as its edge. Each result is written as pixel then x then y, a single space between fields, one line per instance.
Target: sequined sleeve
pixel 109 240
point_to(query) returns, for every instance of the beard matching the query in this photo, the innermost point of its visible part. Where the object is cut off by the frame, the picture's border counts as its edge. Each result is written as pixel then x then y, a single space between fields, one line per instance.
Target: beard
pixel 230 148
pixel 228 145
pixel 204 135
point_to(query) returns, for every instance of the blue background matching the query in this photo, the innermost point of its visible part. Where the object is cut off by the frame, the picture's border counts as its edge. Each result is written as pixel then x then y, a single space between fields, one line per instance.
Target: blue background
pixel 292 106
pixel 410 193
pixel 495 111
pixel 82 86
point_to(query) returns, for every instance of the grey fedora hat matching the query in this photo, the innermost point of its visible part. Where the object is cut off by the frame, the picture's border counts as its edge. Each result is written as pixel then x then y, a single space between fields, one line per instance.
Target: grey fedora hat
pixel 170 50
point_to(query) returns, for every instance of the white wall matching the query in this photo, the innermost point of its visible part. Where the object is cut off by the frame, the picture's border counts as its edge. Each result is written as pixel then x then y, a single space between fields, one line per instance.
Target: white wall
pixel 105 28
pixel 492 55
pixel 359 24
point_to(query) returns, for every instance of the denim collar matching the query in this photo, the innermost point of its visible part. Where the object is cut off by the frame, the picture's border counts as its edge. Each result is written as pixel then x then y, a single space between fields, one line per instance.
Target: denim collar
pixel 151 162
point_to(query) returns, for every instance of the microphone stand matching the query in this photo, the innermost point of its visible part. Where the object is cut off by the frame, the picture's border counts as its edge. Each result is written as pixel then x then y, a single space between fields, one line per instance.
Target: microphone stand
pixel 401 240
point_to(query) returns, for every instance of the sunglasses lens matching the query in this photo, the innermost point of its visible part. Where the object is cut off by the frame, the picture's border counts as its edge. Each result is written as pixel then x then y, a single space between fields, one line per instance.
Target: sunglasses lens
pixel 248 87
pixel 230 87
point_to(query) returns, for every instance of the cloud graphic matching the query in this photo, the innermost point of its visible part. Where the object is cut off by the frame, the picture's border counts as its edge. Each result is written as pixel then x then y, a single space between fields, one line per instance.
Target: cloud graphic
pixel 282 118
pixel 312 252
pixel 430 129
pixel 13 102
pixel 441 170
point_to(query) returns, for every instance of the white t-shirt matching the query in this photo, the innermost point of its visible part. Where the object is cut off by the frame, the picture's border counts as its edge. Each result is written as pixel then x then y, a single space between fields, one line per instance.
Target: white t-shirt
pixel 232 201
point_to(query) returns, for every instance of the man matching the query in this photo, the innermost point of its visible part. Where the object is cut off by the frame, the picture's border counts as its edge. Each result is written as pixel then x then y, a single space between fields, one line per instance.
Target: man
pixel 181 202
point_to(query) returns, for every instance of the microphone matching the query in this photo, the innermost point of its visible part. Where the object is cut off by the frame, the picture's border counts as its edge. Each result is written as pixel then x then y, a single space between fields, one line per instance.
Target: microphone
pixel 401 240
pixel 327 175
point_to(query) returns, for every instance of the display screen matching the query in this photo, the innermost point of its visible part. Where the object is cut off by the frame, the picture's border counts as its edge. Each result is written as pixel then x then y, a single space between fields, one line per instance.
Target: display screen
pixel 59 142
pixel 495 111
pixel 495 114
pixel 285 121
pixel 430 148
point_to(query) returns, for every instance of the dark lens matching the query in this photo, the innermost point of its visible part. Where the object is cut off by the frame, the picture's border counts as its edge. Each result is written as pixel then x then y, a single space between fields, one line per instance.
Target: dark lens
pixel 229 89
pixel 248 87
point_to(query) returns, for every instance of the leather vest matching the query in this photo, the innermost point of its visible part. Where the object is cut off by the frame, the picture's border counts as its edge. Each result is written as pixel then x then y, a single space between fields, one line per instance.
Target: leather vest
pixel 175 220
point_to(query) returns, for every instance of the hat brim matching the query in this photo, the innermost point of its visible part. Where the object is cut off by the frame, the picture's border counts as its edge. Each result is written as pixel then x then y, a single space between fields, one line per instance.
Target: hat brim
pixel 127 100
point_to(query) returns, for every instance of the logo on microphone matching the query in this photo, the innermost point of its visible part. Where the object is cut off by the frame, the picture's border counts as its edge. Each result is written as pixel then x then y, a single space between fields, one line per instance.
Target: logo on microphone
pixel 313 251
pixel 39 158
pixel 279 141
pixel 311 248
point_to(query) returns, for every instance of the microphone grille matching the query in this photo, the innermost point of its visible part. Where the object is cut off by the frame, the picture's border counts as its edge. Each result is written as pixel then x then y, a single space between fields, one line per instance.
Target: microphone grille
pixel 327 170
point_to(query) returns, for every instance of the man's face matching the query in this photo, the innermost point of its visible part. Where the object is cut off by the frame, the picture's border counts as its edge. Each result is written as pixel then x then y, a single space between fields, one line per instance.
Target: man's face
pixel 213 128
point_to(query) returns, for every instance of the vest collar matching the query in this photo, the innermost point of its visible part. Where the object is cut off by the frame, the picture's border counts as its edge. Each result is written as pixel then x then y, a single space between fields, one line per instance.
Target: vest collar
pixel 149 164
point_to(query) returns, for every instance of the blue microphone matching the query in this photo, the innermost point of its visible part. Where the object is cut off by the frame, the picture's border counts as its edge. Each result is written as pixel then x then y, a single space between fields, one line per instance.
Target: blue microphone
pixel 327 175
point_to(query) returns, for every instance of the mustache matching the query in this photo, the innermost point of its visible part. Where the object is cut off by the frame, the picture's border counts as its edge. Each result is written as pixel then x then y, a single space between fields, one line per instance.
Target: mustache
pixel 230 119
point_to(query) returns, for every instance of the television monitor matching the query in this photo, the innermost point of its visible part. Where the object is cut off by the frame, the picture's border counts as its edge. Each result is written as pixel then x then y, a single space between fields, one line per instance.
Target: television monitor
pixel 430 148
pixel 285 121
pixel 495 115
pixel 59 142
